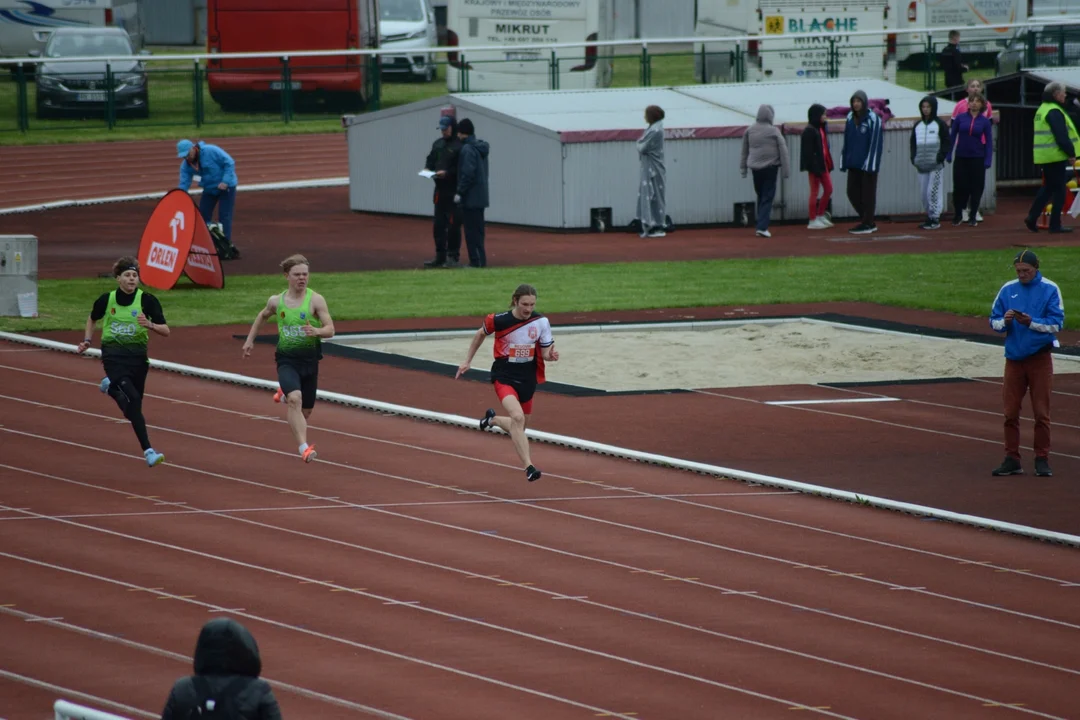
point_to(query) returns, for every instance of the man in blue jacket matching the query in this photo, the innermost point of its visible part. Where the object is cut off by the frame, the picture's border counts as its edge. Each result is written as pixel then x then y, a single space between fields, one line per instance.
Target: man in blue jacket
pixel 861 160
pixel 1029 311
pixel 217 173
pixel 472 191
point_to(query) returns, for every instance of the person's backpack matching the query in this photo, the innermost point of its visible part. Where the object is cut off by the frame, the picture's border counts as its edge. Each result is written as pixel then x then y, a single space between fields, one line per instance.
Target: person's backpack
pixel 225 249
pixel 216 706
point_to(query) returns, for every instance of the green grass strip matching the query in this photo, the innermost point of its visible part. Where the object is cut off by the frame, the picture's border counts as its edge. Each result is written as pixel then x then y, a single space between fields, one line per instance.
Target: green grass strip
pixel 964 283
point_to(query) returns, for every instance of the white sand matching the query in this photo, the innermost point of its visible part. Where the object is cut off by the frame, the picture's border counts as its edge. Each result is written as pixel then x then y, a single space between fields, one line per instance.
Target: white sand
pixel 792 353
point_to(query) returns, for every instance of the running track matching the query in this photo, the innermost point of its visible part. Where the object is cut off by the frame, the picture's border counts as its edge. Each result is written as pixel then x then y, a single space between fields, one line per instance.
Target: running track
pixel 413 573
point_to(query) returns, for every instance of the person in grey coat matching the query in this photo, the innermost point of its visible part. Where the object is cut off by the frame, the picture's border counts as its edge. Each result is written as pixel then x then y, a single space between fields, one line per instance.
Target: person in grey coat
pixel 472 190
pixel 227 667
pixel 765 152
pixel 651 204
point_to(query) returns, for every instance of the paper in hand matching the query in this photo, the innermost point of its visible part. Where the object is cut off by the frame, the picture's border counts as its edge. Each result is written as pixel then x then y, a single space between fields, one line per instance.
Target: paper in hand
pixel 426 173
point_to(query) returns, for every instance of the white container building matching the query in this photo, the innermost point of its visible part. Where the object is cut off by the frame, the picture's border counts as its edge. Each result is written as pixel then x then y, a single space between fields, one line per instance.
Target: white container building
pixel 558 158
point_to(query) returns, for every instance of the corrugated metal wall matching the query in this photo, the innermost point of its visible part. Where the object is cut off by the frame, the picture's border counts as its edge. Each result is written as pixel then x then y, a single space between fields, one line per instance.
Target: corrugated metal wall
pixel 665 18
pixel 169 22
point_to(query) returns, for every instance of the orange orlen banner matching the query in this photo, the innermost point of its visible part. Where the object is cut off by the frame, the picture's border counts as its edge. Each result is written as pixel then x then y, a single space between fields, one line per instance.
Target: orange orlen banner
pixel 169 241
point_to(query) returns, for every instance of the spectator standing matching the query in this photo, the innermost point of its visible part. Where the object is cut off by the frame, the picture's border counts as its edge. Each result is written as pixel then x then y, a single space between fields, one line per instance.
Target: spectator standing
pixel 861 160
pixel 971 148
pixel 765 153
pixel 815 159
pixel 472 190
pixel 443 161
pixel 652 180
pixel 929 148
pixel 1054 150
pixel 1029 310
pixel 217 177
pixel 226 680
pixel 952 61
pixel 974 87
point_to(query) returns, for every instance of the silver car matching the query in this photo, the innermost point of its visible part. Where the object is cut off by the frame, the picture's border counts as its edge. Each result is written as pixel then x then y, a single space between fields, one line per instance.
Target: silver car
pixel 1057 46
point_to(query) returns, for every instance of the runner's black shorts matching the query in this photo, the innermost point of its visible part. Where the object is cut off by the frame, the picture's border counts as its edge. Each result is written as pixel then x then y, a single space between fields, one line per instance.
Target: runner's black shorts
pixel 302 376
pixel 134 369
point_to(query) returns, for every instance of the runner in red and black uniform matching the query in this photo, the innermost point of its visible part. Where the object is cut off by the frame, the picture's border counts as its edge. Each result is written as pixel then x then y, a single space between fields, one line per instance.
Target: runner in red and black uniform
pixel 523 343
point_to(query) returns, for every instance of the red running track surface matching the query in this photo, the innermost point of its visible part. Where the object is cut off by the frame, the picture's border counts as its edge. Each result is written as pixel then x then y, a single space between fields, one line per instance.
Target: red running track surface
pixel 413 571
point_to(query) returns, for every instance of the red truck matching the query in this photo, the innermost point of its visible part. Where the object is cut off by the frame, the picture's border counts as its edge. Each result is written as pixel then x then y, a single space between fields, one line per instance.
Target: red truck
pixel 339 82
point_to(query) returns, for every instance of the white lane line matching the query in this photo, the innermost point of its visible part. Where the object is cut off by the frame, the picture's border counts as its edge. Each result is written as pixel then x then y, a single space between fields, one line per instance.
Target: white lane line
pixel 577 556
pixel 185 659
pixel 418 448
pixel 443 453
pixel 831 402
pixel 69 693
pixel 408 658
pixel 601 521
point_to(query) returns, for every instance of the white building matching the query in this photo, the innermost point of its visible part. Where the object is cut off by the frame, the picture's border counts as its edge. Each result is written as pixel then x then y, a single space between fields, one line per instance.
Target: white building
pixel 558 158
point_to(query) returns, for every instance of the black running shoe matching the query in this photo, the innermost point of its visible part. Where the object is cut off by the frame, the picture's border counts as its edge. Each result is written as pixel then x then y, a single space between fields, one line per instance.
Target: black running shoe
pixel 1031 225
pixel 1009 466
pixel 1042 467
pixel 532 474
pixel 485 422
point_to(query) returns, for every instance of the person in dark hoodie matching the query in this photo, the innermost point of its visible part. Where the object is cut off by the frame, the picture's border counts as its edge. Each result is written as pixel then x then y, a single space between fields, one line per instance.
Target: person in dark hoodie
pixel 971 142
pixel 443 161
pixel 472 190
pixel 861 160
pixel 929 147
pixel 227 667
pixel 815 159
pixel 1056 141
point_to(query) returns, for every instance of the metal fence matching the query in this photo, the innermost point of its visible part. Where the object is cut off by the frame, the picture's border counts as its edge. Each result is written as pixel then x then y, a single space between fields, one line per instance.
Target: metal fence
pixel 180 90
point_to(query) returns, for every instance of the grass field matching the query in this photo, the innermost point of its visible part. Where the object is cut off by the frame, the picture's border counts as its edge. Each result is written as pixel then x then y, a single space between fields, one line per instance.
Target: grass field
pixel 172 94
pixel 964 283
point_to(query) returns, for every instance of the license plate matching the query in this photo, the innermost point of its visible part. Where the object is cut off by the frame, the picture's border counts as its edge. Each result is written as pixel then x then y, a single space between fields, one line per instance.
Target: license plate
pixel 278 85
pixel 526 56
pixel 94 96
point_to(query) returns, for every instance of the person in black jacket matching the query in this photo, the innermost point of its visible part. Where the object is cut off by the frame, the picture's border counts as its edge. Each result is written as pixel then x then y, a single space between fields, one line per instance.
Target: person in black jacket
pixel 816 159
pixel 952 61
pixel 472 191
pixel 443 161
pixel 226 679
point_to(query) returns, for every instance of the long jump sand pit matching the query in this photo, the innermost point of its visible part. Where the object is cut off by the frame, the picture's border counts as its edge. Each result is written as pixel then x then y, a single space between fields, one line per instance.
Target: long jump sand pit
pixel 802 351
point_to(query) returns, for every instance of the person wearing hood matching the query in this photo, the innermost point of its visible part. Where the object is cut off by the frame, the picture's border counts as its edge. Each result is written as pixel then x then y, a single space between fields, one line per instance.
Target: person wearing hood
pixel 815 159
pixel 217 177
pixel 929 147
pixel 971 141
pixel 472 190
pixel 861 160
pixel 227 667
pixel 765 153
pixel 1056 141
pixel 443 161
pixel 1030 312
pixel 652 180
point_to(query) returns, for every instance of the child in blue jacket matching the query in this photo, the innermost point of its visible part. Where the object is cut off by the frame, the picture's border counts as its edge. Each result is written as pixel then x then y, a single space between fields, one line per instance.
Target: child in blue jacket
pixel 971 142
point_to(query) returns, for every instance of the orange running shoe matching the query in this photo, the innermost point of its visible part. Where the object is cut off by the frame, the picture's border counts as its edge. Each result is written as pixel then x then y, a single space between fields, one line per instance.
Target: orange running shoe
pixel 278 395
pixel 309 454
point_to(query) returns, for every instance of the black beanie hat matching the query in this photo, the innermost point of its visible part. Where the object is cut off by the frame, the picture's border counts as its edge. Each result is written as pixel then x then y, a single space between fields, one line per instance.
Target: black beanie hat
pixel 1027 256
pixel 465 127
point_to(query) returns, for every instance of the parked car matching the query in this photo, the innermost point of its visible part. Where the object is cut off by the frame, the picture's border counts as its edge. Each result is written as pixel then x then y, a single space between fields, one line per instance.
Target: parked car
pixel 408 26
pixel 1050 44
pixel 81 86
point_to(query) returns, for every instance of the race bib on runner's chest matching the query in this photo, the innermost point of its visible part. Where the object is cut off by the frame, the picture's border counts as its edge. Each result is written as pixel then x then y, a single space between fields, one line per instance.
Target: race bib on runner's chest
pixel 521 353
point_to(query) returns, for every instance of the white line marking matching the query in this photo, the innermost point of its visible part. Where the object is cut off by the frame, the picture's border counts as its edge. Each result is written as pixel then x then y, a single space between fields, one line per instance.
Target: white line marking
pixel 829 402
pixel 68 692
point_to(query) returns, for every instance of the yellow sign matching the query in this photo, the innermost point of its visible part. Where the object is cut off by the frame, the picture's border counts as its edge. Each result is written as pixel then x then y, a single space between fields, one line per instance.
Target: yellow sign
pixel 774 25
pixel 18 257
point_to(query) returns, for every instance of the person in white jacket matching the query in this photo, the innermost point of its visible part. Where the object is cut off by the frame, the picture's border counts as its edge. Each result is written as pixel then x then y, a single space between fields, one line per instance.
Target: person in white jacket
pixel 651 205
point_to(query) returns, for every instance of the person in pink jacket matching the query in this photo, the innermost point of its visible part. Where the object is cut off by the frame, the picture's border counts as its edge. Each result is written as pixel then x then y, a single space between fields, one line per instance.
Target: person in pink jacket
pixel 974 88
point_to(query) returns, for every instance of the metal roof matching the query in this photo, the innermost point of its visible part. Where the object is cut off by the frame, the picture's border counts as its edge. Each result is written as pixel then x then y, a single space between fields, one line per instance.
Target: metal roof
pixel 1068 75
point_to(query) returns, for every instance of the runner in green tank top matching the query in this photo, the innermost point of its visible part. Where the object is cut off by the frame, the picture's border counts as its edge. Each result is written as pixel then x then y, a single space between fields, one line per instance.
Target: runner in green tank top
pixel 303 321
pixel 128 317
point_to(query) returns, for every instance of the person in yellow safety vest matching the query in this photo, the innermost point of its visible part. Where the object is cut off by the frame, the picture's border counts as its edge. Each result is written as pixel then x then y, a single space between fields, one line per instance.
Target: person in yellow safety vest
pixel 1056 141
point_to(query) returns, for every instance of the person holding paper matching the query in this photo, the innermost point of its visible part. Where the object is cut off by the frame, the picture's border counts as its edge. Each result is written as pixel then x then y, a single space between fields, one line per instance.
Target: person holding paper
pixel 441 166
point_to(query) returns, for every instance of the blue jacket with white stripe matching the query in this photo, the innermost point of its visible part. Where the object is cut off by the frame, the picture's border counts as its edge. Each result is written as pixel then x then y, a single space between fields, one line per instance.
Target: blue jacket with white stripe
pixel 863 140
pixel 1041 299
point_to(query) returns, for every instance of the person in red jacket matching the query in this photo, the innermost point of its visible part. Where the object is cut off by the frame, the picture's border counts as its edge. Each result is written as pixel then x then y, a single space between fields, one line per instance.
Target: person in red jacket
pixel 816 160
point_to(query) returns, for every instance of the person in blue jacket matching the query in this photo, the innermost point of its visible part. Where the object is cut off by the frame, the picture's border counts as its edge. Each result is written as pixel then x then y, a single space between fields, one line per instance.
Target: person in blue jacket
pixel 971 148
pixel 217 173
pixel 1029 311
pixel 861 160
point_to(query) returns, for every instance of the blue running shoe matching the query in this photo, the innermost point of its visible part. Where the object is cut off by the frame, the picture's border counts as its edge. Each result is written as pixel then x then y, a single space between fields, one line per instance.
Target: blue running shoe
pixel 153 457
pixel 104 386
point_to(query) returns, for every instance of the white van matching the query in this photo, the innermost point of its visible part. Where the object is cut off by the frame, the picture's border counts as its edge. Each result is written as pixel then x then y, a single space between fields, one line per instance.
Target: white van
pixel 523 24
pixel 979 43
pixel 25 25
pixel 409 26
